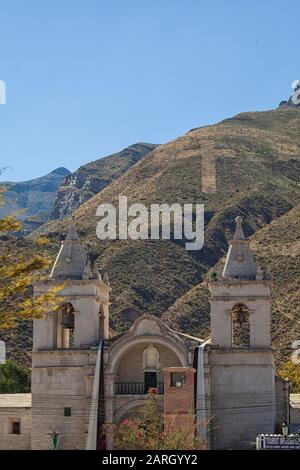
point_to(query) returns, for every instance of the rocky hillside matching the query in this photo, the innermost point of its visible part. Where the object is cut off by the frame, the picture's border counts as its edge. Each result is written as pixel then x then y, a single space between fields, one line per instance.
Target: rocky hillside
pixel 257 168
pixel 277 249
pixel 294 99
pixel 32 200
pixel 90 179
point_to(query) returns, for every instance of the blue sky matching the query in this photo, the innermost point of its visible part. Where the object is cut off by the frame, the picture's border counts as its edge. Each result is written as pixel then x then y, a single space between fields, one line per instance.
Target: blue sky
pixel 87 78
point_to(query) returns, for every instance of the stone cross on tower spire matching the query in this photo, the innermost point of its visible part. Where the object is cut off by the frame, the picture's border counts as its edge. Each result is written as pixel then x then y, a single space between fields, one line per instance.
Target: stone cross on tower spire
pixel 71 261
pixel 239 263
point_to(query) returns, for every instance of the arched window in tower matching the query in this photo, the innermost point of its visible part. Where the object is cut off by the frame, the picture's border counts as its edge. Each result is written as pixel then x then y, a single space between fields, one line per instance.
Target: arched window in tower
pixel 65 326
pixel 240 326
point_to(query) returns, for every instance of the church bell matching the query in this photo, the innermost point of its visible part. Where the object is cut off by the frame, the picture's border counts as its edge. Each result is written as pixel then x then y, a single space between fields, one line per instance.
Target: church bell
pixel 68 319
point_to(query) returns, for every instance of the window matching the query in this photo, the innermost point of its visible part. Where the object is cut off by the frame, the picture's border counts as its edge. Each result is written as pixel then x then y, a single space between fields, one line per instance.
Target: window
pixel 177 379
pixel 240 326
pixel 65 327
pixel 16 427
pixel 150 380
pixel 67 411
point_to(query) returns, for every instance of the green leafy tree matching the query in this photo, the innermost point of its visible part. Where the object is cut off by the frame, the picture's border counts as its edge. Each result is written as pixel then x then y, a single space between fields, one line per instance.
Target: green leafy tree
pixel 14 378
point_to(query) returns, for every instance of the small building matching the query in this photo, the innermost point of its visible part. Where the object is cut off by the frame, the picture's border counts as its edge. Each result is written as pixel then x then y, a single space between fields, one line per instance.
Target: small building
pixel 15 421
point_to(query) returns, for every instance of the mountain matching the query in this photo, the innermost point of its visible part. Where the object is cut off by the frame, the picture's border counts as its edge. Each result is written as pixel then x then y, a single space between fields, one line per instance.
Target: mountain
pixel 32 200
pixel 90 179
pixel 60 192
pixel 294 99
pixel 256 158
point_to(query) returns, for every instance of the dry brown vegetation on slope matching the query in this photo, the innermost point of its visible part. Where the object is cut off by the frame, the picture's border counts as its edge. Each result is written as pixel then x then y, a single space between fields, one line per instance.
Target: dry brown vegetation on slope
pixel 258 174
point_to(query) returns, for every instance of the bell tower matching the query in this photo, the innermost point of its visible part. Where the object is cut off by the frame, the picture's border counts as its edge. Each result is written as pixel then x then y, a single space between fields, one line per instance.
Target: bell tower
pixel 242 369
pixel 241 298
pixel 65 344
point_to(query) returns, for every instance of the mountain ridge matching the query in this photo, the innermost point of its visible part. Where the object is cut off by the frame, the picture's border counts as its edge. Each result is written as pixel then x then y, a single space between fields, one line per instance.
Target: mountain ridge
pixel 31 200
pixel 91 178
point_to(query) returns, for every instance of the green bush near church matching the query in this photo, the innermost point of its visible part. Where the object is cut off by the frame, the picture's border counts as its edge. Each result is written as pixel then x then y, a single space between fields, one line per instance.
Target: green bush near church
pixel 14 378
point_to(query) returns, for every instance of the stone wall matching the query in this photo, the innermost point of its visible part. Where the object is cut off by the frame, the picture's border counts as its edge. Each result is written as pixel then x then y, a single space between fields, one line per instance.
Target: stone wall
pixel 130 406
pixel 242 397
pixel 130 366
pixel 63 381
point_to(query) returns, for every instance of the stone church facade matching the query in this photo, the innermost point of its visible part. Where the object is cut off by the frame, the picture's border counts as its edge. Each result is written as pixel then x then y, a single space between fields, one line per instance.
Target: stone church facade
pixel 82 378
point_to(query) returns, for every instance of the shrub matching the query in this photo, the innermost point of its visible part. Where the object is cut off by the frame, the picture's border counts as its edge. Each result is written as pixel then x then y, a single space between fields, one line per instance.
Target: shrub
pixel 147 432
pixel 14 378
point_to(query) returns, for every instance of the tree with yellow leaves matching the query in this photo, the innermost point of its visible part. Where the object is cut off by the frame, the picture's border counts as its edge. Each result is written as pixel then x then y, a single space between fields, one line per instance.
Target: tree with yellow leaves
pixel 18 272
pixel 291 371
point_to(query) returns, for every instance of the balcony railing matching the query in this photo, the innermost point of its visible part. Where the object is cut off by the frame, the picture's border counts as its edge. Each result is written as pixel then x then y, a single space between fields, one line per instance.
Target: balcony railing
pixel 136 388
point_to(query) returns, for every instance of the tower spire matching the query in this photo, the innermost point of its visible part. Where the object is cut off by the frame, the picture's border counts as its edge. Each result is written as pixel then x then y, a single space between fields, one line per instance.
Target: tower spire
pixel 239 263
pixel 71 261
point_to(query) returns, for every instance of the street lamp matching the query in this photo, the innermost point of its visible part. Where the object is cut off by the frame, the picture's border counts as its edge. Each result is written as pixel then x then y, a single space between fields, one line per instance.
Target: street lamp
pixel 288 382
pixel 285 429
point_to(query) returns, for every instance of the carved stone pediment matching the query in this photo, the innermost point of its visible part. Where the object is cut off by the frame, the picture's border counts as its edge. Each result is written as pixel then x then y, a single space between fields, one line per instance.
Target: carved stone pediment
pixel 148 326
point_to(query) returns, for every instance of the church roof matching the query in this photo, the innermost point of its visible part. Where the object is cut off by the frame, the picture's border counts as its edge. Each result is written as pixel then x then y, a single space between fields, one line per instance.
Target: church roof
pixel 193 338
pixel 71 261
pixel 15 400
pixel 240 263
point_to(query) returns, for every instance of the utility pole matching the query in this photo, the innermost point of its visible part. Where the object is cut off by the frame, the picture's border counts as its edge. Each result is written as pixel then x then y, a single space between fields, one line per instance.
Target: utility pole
pixel 288 382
